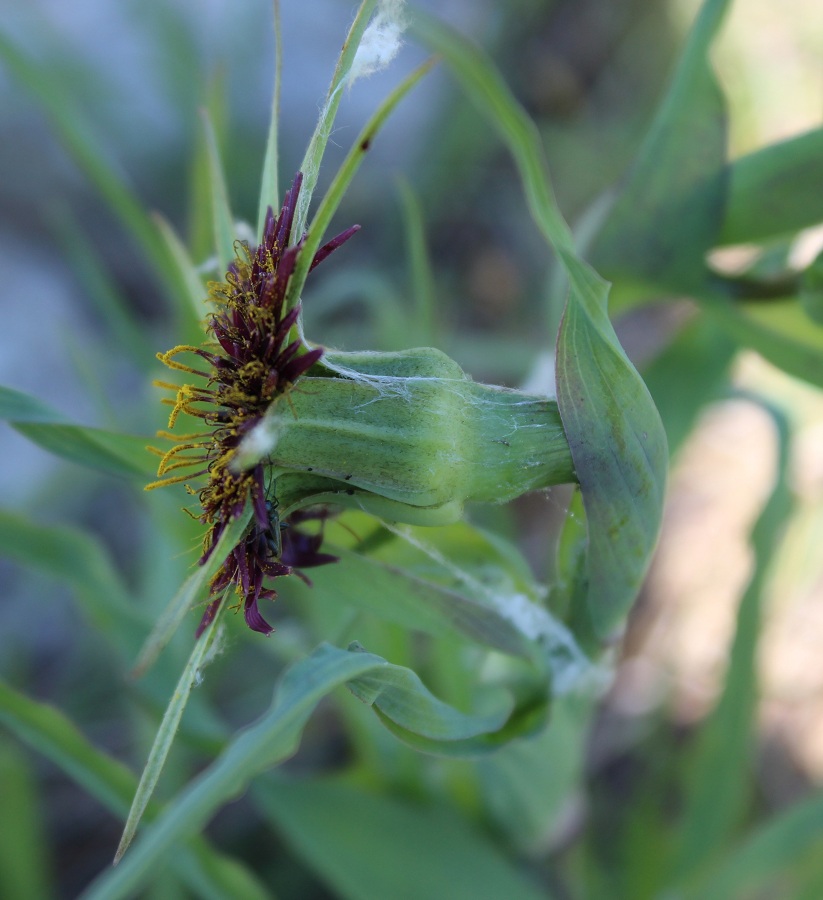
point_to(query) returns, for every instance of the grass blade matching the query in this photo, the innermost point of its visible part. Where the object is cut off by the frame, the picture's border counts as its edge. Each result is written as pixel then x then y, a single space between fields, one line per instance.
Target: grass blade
pixel 720 775
pixel 222 221
pixel 166 732
pixel 79 141
pixel 603 402
pixel 182 602
pixel 761 859
pixel 269 181
pixel 669 211
pixel 97 448
pixel 421 277
pixel 781 332
pixel 310 167
pixel 24 863
pixel 76 559
pixel 342 179
pixel 370 846
pixel 47 731
pixel 187 274
pixel 769 191
pixel 125 330
pixel 17 407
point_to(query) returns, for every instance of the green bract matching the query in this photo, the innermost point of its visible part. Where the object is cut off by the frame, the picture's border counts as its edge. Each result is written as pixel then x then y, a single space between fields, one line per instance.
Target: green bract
pixel 407 435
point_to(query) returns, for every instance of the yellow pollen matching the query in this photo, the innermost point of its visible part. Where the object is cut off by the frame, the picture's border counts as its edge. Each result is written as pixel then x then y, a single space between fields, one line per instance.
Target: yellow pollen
pixel 177 479
pixel 185 462
pixel 184 437
pixel 166 359
pixel 184 397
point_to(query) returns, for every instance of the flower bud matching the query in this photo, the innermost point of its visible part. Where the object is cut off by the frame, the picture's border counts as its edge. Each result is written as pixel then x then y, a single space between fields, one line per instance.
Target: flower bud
pixel 409 436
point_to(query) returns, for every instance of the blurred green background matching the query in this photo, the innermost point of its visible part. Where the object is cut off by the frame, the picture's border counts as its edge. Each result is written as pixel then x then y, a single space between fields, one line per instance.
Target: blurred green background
pixel 132 76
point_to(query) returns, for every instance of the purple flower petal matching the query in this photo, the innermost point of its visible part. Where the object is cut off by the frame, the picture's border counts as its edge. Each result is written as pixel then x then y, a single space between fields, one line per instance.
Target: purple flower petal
pixel 208 615
pixel 254 619
pixel 294 369
pixel 333 244
pixel 252 363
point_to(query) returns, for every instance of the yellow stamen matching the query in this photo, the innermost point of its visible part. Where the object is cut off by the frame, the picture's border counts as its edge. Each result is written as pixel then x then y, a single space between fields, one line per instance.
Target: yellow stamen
pixel 166 359
pixel 184 397
pixel 182 464
pixel 177 479
pixel 183 437
pixel 175 451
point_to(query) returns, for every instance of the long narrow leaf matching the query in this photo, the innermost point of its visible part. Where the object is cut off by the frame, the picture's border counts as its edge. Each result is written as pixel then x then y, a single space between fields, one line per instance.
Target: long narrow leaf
pixel 15 406
pixel 421 277
pixel 342 179
pixel 766 853
pixel 222 222
pixel 25 867
pixel 257 748
pixel 413 714
pixel 195 290
pixel 614 431
pixel 46 730
pixel 97 448
pixel 781 332
pixel 509 600
pixel 112 452
pixel 269 181
pixel 720 774
pixel 165 734
pixel 775 191
pixel 78 139
pixel 183 601
pixel 373 847
pixel 310 167
pixel 703 353
pixel 669 211
pixel 366 583
pixel 76 559
pixel 126 331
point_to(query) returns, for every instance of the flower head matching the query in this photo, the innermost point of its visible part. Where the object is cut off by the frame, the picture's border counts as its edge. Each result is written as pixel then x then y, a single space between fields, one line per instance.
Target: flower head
pixel 251 361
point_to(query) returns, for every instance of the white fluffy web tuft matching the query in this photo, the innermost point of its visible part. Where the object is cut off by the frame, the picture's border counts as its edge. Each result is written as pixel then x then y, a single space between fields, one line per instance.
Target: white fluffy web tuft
pixel 381 41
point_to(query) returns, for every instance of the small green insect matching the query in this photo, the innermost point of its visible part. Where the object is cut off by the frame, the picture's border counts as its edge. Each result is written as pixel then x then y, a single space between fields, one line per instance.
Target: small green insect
pixel 273 534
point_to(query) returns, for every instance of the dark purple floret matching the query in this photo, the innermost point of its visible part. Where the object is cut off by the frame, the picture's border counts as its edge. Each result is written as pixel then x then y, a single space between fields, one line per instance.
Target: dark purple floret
pixel 252 361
